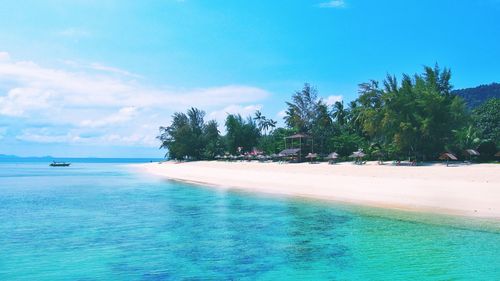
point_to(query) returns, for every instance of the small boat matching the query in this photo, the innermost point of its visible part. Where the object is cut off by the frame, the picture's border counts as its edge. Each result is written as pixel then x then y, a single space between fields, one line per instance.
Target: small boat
pixel 59 164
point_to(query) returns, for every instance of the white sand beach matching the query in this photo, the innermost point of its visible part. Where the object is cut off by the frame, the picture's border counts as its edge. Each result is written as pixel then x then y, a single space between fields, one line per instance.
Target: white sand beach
pixel 468 190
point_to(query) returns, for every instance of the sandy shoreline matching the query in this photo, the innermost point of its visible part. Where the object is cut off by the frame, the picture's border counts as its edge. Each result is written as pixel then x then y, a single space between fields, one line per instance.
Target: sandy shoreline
pixel 472 190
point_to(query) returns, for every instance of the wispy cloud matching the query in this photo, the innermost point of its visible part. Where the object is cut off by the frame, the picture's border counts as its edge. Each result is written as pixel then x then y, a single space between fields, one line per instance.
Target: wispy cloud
pixel 332 4
pixel 99 67
pixel 330 100
pixel 73 32
pixel 281 113
pixel 46 135
pixel 102 67
pixel 102 104
pixel 4 56
pixel 123 115
pixel 244 110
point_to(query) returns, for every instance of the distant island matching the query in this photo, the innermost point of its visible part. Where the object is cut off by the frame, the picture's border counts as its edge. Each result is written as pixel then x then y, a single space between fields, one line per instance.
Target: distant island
pixel 47 159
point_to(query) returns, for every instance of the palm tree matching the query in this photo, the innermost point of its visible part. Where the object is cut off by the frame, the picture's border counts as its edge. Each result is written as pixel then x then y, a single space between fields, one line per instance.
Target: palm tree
pixel 261 120
pixel 268 123
pixel 263 123
pixel 271 124
pixel 302 109
pixel 467 138
pixel 258 116
pixel 339 113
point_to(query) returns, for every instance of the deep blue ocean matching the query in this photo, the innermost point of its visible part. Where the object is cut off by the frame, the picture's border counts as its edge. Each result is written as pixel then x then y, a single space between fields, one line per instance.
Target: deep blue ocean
pixel 104 221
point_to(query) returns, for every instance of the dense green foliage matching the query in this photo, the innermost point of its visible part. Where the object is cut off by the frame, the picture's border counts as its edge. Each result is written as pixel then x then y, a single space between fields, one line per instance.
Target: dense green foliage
pixel 242 135
pixel 416 118
pixel 190 137
pixel 487 119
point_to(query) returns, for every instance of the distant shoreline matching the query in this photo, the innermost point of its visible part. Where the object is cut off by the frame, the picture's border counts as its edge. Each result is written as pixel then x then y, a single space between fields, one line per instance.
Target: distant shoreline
pixel 49 159
pixel 472 190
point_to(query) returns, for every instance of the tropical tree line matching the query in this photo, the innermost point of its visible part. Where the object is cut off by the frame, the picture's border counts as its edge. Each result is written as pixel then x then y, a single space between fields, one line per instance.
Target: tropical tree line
pixel 416 118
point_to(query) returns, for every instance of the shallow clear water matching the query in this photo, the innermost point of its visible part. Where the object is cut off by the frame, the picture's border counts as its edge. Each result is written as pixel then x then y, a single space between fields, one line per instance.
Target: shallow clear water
pixel 104 222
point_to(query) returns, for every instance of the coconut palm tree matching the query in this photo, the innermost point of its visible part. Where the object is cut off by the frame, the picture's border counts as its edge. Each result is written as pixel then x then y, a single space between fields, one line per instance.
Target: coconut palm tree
pixel 339 113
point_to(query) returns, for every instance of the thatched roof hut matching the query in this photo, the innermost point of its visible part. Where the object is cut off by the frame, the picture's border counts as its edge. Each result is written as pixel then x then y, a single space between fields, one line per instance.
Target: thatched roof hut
pixel 290 152
pixel 297 136
pixel 312 155
pixel 472 152
pixel 358 154
pixel 289 143
pixel 448 156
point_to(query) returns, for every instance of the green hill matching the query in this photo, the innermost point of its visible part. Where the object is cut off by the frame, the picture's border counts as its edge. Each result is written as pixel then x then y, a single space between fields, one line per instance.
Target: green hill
pixel 476 96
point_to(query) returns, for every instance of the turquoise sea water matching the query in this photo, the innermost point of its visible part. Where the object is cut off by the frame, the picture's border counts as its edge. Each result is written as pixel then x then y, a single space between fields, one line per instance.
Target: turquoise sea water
pixel 100 221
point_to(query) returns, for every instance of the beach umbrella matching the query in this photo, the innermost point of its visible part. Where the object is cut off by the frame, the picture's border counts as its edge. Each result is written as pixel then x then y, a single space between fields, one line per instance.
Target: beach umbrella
pixel 472 152
pixel 311 156
pixel 333 155
pixel 448 156
pixel 290 152
pixel 357 154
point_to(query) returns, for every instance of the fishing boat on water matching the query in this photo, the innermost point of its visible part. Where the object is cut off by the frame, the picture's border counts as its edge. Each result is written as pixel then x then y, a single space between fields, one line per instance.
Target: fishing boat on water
pixel 59 164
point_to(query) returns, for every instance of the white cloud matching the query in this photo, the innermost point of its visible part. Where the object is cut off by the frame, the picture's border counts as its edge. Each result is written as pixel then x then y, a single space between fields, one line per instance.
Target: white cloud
pixel 103 102
pixel 18 101
pixel 123 115
pixel 90 89
pixel 102 67
pixel 4 56
pixel 73 32
pixel 332 4
pixel 244 111
pixel 45 135
pixel 330 100
pixel 282 113
pixel 42 136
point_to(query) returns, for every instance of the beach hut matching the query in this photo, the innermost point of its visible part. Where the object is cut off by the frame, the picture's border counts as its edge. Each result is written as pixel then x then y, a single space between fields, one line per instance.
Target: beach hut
pixel 312 157
pixel 358 156
pixel 274 157
pixel 471 153
pixel 290 153
pixel 448 156
pixel 302 139
pixel 261 158
pixel 332 157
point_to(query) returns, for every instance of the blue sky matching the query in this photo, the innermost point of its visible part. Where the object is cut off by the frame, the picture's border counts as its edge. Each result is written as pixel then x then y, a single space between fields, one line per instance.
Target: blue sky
pixel 97 78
